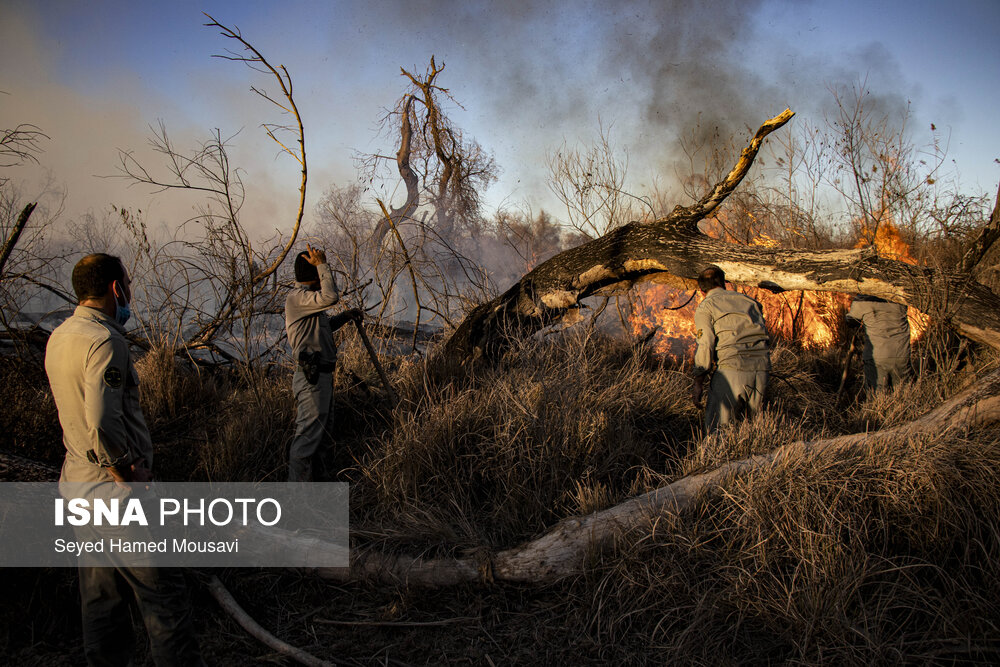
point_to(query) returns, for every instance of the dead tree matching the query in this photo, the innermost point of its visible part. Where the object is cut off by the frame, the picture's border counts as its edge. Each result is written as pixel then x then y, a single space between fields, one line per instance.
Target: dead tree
pixel 15 234
pixel 19 145
pixel 672 250
pixel 424 240
pixel 984 241
pixel 238 276
pixel 450 171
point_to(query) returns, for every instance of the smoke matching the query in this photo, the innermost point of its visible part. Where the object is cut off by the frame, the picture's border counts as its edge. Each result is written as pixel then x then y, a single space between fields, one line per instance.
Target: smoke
pixel 661 73
pixel 78 168
pixel 532 75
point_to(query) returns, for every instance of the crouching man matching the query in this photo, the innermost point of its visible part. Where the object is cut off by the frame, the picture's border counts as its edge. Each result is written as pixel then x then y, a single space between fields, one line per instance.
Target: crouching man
pixel 886 352
pixel 732 340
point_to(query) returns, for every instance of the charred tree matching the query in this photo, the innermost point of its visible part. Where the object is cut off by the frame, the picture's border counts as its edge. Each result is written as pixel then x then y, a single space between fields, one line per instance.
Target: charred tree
pixel 672 250
pixel 438 166
pixel 15 234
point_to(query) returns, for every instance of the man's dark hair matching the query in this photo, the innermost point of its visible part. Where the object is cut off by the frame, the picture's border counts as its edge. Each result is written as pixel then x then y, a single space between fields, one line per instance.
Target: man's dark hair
pixel 93 274
pixel 304 271
pixel 711 278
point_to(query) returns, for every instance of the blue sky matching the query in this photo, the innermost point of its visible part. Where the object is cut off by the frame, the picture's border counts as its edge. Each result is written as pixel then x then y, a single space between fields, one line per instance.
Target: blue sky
pixel 530 76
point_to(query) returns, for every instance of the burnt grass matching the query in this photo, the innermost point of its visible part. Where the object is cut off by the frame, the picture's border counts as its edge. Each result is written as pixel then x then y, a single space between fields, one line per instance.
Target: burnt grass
pixel 887 555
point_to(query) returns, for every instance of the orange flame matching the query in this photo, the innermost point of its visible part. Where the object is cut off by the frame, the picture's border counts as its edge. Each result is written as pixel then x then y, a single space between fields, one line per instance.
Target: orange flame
pixel 888 242
pixel 890 245
pixel 674 329
pixel 814 319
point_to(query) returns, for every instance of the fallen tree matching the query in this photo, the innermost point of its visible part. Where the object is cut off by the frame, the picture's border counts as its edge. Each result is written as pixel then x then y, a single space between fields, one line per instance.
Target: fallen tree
pixel 564 549
pixel 672 250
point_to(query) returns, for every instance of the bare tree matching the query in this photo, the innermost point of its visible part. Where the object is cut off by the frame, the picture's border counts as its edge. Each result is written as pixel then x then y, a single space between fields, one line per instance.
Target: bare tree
pixel 534 238
pixel 439 167
pixel 26 260
pixel 19 145
pixel 221 280
pixel 590 184
pixel 796 197
pixel 428 244
pixel 874 165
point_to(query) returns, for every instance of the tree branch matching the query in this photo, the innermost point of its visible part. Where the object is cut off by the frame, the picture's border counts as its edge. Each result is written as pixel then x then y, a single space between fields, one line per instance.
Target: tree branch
pixel 15 234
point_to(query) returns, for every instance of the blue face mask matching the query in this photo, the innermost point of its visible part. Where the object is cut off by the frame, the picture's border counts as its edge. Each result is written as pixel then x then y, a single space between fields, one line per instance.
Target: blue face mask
pixel 122 313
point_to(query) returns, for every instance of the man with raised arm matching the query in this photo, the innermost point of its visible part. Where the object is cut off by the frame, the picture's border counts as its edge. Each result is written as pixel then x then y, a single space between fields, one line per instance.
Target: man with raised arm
pixel 734 343
pixel 310 335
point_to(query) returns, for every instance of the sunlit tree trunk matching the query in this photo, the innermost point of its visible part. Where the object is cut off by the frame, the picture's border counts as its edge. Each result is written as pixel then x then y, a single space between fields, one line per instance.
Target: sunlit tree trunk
pixel 673 251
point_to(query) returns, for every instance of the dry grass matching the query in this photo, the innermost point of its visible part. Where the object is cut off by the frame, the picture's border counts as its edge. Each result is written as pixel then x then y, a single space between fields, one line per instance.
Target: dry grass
pixel 29 424
pixel 556 429
pixel 891 554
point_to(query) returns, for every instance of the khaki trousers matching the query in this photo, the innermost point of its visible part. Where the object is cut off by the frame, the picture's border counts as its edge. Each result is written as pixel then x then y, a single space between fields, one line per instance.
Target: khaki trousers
pixel 733 394
pixel 887 372
pixel 161 594
pixel 312 418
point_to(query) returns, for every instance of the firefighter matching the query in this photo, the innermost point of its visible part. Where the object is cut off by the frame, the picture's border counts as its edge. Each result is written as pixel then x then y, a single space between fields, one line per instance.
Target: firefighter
pixel 109 452
pixel 886 352
pixel 310 335
pixel 733 348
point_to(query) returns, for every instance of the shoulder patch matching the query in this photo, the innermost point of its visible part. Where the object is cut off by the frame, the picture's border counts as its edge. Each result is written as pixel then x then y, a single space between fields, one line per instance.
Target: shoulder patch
pixel 113 377
pixel 697 333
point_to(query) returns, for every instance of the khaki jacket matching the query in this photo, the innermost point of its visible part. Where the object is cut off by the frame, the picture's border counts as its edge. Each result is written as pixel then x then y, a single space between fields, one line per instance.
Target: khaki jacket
pixel 731 333
pixel 96 390
pixel 887 328
pixel 307 326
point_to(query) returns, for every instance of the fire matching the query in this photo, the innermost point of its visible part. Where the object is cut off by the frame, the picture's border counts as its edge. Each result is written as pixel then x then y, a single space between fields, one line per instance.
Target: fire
pixel 814 319
pixel 674 329
pixel 890 245
pixel 888 242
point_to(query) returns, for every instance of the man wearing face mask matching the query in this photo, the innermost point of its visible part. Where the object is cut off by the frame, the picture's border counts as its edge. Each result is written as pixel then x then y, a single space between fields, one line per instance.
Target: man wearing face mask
pixel 108 449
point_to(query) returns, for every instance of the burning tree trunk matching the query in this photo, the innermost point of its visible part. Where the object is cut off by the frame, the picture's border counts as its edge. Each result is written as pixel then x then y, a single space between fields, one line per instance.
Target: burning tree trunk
pixel 672 250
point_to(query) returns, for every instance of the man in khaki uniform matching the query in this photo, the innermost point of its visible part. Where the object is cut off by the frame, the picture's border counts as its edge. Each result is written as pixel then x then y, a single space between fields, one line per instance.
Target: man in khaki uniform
pixel 886 352
pixel 310 335
pixel 108 448
pixel 732 339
